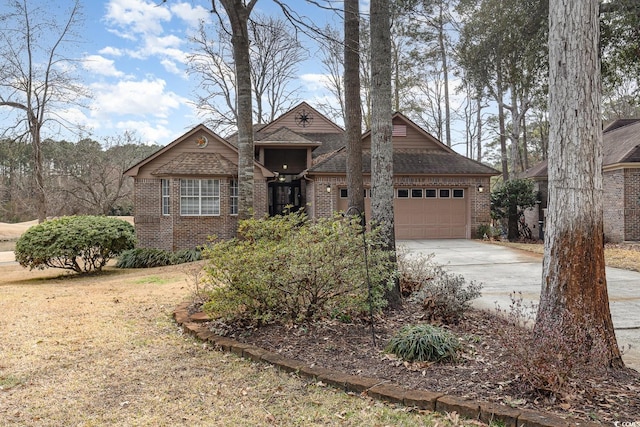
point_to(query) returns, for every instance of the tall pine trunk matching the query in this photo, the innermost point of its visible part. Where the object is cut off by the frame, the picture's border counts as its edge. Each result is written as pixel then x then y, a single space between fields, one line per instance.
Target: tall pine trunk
pixel 353 108
pixel 381 130
pixel 574 284
pixel 238 14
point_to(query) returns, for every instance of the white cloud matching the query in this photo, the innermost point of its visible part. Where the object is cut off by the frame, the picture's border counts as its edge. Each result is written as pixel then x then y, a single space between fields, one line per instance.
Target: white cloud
pixel 136 98
pixel 100 65
pixel 171 67
pixel 314 82
pixel 156 133
pixel 111 51
pixel 137 16
pixel 191 15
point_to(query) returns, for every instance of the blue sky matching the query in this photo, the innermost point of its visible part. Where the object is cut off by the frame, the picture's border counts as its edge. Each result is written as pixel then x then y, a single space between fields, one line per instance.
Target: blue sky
pixel 132 59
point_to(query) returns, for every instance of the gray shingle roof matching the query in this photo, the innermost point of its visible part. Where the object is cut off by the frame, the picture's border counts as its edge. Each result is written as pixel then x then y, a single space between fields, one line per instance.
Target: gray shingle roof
pixel 286 136
pixel 620 145
pixel 425 162
pixel 192 164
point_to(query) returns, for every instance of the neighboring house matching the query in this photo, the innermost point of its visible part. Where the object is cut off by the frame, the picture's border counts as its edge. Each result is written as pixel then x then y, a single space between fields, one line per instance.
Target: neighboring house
pixel 621 182
pixel 187 191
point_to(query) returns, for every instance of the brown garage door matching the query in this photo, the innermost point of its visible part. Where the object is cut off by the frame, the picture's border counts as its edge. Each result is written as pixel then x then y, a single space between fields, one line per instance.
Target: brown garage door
pixel 426 213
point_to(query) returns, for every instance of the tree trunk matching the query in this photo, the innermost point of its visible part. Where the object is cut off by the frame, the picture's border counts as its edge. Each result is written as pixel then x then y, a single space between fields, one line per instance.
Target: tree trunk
pixel 479 125
pixel 353 109
pixel 381 129
pixel 445 73
pixel 503 138
pixel 574 284
pixel 238 15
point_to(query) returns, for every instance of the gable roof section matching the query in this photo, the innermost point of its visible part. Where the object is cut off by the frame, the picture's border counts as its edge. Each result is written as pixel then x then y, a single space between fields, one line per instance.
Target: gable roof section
pixel 433 141
pixel 285 137
pixel 201 164
pixel 329 126
pixel 214 139
pixel 621 145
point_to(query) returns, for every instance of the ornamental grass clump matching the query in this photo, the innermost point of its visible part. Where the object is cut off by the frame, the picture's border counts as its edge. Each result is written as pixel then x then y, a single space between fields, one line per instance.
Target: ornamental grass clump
pixel 424 343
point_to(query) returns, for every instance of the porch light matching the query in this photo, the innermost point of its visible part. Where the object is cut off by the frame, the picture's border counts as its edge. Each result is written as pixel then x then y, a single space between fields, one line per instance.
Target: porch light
pixel 281 178
pixel 328 188
pixel 284 167
pixel 480 188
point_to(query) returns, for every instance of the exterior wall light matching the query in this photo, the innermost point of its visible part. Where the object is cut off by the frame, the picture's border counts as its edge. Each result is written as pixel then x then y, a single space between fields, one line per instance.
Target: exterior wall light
pixel 480 188
pixel 284 167
pixel 328 188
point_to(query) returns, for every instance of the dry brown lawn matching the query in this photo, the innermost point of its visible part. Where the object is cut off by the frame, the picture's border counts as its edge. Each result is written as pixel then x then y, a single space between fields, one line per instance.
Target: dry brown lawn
pixel 624 255
pixel 104 350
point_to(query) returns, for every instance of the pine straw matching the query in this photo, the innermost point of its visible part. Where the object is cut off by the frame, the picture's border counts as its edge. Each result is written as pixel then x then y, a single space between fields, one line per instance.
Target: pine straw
pixel 103 350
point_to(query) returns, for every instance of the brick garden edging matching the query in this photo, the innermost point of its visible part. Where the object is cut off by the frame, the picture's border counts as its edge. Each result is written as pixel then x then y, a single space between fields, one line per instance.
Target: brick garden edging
pixel 374 387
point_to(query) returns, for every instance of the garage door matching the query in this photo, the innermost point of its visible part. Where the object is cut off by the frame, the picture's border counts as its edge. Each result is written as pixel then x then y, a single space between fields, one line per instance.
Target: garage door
pixel 426 213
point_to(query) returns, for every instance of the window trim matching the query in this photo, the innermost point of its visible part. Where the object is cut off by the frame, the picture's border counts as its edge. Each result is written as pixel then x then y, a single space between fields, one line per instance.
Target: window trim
pixel 234 197
pixel 453 193
pixel 197 195
pixel 440 196
pixel 403 190
pixel 165 197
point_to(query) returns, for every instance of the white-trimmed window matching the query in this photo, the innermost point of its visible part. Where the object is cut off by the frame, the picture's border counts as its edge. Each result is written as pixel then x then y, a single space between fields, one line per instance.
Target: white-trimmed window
pixel 444 193
pixel 199 197
pixel 233 197
pixel 166 197
pixel 416 193
pixel 458 193
pixel 344 193
pixel 430 193
pixel 402 193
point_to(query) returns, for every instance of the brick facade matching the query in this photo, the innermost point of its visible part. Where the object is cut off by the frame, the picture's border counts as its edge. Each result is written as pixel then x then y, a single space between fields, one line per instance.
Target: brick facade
pixel 621 205
pixel 479 205
pixel 174 231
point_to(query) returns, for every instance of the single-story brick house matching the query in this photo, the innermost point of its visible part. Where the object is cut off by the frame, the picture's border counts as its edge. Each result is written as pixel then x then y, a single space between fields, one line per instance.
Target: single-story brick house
pixel 188 190
pixel 621 182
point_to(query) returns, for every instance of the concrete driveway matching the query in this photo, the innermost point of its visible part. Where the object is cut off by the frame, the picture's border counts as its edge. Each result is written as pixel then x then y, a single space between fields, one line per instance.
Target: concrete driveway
pixel 504 271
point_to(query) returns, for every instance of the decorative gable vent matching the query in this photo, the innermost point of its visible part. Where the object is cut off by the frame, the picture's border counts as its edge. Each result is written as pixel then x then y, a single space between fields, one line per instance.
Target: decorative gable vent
pixel 399 130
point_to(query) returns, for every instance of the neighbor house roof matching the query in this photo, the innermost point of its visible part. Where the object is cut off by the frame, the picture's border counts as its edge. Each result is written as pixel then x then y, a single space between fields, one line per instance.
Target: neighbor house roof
pixel 197 164
pixel 410 162
pixel 621 144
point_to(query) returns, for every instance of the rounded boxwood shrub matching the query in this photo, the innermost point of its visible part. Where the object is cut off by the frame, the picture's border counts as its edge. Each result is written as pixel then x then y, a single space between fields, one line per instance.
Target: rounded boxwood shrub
pixel 424 343
pixel 78 243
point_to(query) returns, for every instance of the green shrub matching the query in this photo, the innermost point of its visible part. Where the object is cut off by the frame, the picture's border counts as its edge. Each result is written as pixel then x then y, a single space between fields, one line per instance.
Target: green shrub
pixel 149 258
pixel 288 268
pixel 446 296
pixel 424 343
pixel 78 243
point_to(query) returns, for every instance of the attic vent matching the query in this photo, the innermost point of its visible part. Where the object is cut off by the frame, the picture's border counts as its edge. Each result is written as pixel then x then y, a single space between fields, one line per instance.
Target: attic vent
pixel 399 130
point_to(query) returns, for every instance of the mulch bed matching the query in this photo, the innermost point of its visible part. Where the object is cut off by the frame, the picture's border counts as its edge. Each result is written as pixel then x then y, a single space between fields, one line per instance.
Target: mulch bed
pixel 482 372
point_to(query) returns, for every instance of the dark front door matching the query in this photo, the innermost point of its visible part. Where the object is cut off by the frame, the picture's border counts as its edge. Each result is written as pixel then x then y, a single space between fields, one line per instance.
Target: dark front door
pixel 284 196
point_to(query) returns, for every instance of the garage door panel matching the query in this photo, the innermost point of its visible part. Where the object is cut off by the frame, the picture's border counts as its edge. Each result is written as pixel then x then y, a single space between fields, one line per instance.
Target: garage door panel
pixel 427 218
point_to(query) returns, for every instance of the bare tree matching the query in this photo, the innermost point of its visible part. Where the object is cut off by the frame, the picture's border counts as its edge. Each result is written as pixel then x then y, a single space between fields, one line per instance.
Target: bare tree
pixel 35 76
pixel 574 285
pixel 88 177
pixel 274 57
pixel 212 62
pixel 353 107
pixel 382 213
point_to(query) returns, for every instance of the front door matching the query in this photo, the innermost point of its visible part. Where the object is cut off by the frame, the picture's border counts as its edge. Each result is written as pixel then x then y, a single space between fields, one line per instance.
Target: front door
pixel 284 196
